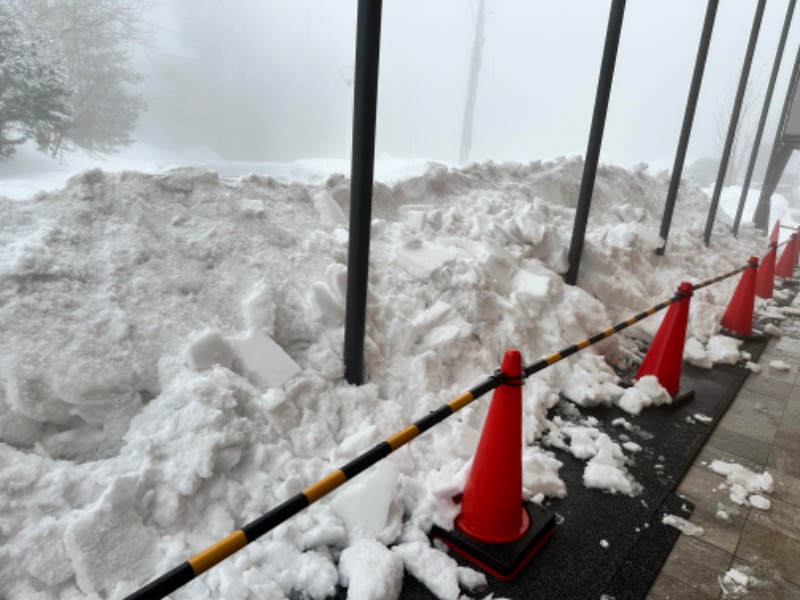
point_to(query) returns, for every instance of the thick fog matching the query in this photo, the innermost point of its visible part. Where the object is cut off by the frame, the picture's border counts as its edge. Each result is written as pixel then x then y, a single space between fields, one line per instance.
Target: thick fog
pixel 272 80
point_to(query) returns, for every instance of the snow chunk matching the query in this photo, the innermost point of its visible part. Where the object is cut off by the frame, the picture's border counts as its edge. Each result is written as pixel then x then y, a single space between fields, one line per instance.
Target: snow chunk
pixel 646 392
pixel 263 361
pixel 606 471
pixel 437 571
pixel 530 287
pixel 758 501
pixel 209 348
pixel 364 505
pixel 681 524
pixel 540 474
pixel 370 571
pixel 743 482
pixel 329 210
pixel 108 542
pixel 779 365
pixel 723 349
pixel 694 353
pixel 422 259
pixel 773 330
pixel 632 447
pixel 735 582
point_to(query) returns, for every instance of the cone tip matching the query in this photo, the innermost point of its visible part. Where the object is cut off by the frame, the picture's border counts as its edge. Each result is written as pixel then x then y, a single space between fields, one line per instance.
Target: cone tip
pixel 512 363
pixel 753 261
pixel 685 288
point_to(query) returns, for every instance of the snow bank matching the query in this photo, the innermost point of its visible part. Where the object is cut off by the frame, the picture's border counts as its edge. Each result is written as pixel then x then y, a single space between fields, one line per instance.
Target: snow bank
pixel 171 366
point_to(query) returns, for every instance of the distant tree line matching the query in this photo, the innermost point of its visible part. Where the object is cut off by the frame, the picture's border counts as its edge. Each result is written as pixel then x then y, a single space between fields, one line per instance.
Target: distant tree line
pixel 66 76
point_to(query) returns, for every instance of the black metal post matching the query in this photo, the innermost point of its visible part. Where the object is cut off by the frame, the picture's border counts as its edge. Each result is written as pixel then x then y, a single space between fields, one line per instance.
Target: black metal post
pixel 737 107
pixel 595 138
pixel 776 65
pixel 365 103
pixel 778 155
pixel 688 120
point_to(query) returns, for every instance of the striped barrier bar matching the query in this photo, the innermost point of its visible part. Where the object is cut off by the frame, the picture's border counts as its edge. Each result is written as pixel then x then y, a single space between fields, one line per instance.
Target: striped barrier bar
pixel 216 553
pixel 598 337
pixel 607 333
pixel 198 564
pixel 720 278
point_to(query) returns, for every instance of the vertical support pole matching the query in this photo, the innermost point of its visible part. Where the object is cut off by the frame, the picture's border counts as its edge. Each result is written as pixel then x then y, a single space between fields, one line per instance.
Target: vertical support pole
pixel 365 103
pixel 776 65
pixel 595 138
pixel 472 86
pixel 761 216
pixel 688 120
pixel 737 107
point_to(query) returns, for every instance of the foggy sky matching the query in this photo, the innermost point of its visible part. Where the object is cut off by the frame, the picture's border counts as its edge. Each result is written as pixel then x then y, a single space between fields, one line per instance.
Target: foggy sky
pixel 272 79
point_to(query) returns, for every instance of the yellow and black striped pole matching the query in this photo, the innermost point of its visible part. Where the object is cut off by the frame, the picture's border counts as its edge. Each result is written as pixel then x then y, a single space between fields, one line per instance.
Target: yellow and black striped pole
pixel 598 337
pixel 183 574
pixel 213 555
pixel 607 333
pixel 720 278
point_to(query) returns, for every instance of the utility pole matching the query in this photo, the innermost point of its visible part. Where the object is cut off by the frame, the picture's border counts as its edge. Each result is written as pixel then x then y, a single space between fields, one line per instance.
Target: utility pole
pixel 737 107
pixel 776 65
pixel 613 32
pixel 365 111
pixel 472 86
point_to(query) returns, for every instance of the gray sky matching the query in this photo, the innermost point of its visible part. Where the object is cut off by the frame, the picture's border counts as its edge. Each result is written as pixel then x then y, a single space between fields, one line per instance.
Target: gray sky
pixel 272 79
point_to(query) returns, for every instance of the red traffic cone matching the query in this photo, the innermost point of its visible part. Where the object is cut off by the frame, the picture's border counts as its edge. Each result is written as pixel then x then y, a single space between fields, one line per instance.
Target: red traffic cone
pixel 785 266
pixel 738 317
pixel 765 279
pixel 495 530
pixel 773 237
pixel 665 356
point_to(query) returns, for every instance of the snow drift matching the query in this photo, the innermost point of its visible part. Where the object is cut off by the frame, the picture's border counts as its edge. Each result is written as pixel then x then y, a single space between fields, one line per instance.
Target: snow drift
pixel 171 366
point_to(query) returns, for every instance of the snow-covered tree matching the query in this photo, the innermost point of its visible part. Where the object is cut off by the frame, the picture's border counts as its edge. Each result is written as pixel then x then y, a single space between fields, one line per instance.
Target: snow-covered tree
pixel 93 38
pixel 34 97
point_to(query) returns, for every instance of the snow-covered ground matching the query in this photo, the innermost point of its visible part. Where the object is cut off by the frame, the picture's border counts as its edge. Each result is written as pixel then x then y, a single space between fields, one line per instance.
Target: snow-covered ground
pixel 170 364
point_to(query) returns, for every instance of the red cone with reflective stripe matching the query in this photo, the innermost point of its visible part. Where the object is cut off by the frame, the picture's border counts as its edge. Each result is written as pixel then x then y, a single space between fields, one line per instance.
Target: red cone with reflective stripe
pixel 665 355
pixel 785 266
pixel 765 279
pixel 738 317
pixel 491 508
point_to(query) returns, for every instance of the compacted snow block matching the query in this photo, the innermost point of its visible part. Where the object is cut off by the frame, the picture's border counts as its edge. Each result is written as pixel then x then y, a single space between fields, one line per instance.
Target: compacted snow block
pixel 496 530
pixel 765 280
pixel 664 358
pixel 738 317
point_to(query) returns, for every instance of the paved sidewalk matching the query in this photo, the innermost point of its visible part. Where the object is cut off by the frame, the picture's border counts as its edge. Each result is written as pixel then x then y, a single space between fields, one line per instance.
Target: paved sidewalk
pixel 761 430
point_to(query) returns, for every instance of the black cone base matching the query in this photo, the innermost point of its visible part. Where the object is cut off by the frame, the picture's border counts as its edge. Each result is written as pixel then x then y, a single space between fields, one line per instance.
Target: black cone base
pixel 504 560
pixel 753 337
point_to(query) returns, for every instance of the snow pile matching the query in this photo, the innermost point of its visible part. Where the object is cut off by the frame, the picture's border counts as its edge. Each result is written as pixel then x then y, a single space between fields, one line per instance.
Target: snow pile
pixel 745 485
pixel 171 368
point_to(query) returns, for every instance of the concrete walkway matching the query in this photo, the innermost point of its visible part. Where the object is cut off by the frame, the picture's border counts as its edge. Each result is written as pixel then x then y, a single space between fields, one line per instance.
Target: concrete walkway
pixel 761 430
